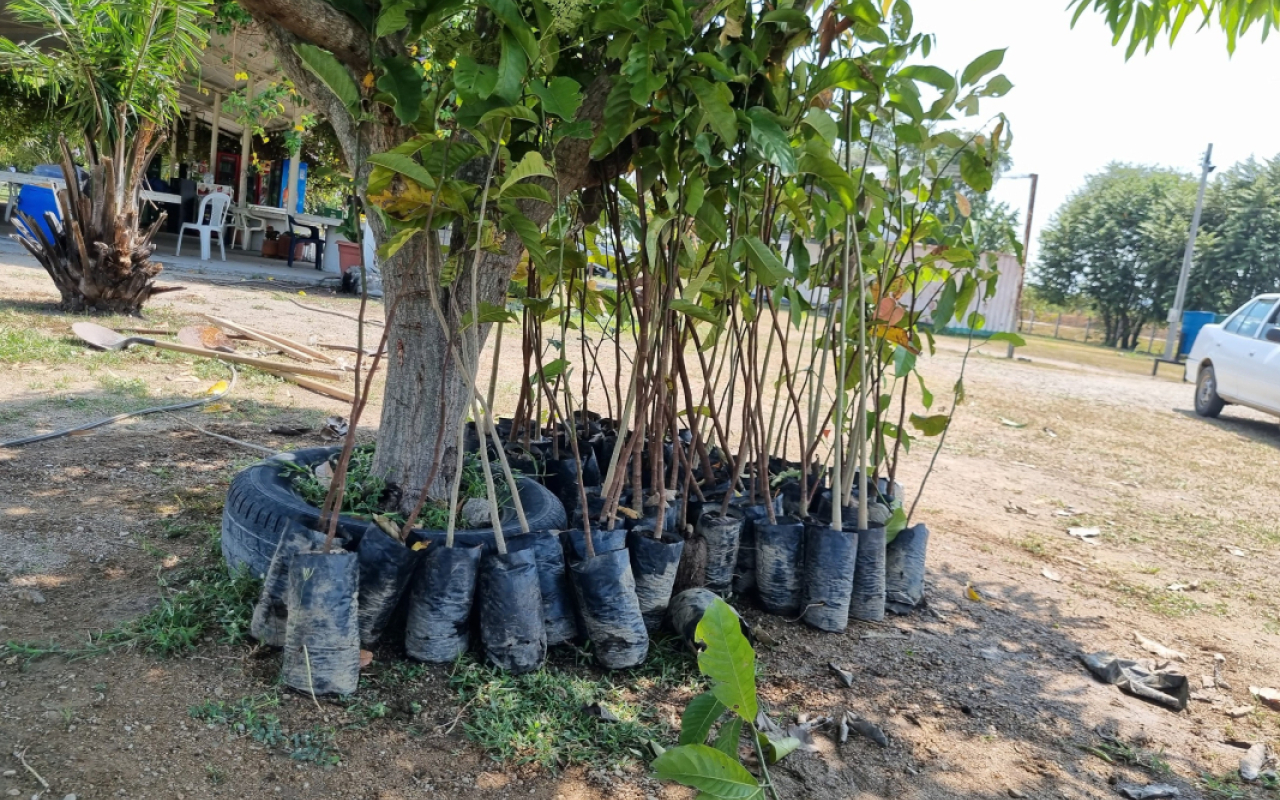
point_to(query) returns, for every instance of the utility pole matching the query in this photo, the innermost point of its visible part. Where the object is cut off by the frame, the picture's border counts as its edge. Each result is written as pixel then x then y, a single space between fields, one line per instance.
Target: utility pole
pixel 1175 311
pixel 1026 248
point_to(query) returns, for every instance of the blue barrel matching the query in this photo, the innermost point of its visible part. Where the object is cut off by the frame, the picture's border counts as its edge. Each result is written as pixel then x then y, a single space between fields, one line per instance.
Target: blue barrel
pixel 35 200
pixel 1192 322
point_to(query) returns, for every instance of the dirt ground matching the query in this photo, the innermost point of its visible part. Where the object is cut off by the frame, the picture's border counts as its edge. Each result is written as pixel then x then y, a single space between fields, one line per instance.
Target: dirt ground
pixel 979 699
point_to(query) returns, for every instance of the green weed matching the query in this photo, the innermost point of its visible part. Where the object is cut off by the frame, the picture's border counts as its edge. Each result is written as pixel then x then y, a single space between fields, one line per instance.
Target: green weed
pixel 251 718
pixel 541 718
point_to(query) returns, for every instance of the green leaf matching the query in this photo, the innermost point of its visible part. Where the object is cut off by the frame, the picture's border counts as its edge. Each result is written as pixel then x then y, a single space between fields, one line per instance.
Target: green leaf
pixel 513 65
pixel 561 97
pixel 831 174
pixel 711 772
pixel 393 18
pixel 474 78
pixel 729 737
pixel 773 143
pixel 728 660
pixel 787 16
pixel 986 63
pixel 489 313
pixel 822 124
pixel 895 524
pixel 766 263
pixel 842 73
pixel 530 166
pixel 998 86
pixel 402 80
pixel 926 396
pixel 715 100
pixel 332 74
pixel 527 191
pixel 693 310
pixel 934 76
pixel 406 166
pixel 1012 338
pixel 550 371
pixel 509 13
pixel 946 307
pixel 776 748
pixel 975 171
pixel 509 112
pixel 398 240
pixel 695 190
pixel 711 223
pixel 964 297
pixel 930 426
pixel 701 713
pixel 356 9
pixel 529 233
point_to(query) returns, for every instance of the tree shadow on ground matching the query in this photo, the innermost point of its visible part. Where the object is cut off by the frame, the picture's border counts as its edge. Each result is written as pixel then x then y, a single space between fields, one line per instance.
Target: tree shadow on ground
pixel 979 700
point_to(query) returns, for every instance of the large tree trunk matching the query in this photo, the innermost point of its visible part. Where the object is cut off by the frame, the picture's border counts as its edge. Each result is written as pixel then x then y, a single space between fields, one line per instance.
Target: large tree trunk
pixel 427 395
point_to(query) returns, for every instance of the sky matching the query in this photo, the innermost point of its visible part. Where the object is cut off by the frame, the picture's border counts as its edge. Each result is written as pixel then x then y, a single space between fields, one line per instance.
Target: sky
pixel 1077 105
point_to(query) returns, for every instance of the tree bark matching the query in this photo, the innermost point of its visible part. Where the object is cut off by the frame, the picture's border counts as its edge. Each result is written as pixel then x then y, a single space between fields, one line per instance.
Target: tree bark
pixel 426 396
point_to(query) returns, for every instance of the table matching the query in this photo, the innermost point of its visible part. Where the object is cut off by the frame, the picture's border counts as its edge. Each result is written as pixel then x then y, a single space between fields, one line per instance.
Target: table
pixel 26 179
pixel 329 224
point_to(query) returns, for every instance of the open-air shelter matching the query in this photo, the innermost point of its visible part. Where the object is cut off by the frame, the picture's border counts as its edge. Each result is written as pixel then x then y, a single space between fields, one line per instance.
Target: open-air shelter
pixel 235 62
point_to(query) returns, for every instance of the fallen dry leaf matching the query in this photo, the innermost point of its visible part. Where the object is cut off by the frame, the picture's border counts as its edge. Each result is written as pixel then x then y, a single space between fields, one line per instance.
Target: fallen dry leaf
pixel 366 658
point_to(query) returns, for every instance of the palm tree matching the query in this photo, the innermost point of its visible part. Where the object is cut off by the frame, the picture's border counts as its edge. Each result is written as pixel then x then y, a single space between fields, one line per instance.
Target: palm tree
pixel 115 67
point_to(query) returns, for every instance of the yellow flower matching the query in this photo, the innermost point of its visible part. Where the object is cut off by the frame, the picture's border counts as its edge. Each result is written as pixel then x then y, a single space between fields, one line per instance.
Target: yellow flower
pixel 299 128
pixel 368 80
pixel 304 294
pixel 242 76
pixel 426 66
pixel 453 63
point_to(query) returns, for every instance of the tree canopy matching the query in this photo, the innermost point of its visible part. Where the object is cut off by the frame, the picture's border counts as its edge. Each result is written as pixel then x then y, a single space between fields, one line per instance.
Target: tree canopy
pixel 1118 242
pixel 1147 21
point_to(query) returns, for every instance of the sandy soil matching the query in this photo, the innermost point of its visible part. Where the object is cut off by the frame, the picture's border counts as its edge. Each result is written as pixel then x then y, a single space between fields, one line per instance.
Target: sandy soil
pixel 979 699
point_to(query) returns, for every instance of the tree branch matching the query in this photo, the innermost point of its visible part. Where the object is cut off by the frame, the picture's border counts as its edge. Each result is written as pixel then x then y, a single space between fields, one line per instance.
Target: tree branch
pixel 315 22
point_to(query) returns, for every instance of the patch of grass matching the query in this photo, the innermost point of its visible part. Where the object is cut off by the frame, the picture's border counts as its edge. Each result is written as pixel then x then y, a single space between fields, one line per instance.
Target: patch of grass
pixel 250 717
pixel 1222 788
pixel 1117 751
pixel 21 344
pixel 366 493
pixel 125 387
pixel 540 718
pixel 1164 602
pixel 207 601
pixel 1034 545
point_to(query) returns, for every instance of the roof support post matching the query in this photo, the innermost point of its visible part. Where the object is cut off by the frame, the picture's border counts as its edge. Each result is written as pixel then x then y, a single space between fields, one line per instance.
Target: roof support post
pixel 213 132
pixel 246 145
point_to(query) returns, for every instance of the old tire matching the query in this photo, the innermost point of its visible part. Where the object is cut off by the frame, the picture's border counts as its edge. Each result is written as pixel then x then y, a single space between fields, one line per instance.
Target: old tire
pixel 261 503
pixel 1208 403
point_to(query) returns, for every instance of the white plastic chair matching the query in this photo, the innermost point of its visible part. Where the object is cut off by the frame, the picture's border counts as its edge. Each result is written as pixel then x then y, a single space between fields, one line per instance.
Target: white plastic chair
pixel 216 204
pixel 244 226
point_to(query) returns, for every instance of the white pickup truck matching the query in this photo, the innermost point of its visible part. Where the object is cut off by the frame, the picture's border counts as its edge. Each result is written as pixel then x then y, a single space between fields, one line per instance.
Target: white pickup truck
pixel 1238 361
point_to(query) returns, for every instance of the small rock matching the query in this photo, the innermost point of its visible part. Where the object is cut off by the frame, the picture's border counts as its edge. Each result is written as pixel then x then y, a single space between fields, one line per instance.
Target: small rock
pixel 1056 577
pixel 14 792
pixel 1151 791
pixel 9 773
pixel 1208 682
pixel 1251 764
pixel 1015 793
pixel 32 596
pixel 475 512
pixel 69 797
pixel 1239 711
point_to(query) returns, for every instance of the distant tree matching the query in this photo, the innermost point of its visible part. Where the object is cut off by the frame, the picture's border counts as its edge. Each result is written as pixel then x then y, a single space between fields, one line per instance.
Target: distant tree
pixel 1238 252
pixel 1118 242
pixel 29 126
